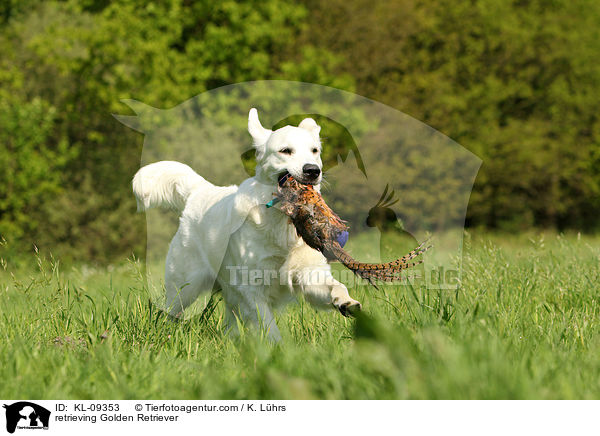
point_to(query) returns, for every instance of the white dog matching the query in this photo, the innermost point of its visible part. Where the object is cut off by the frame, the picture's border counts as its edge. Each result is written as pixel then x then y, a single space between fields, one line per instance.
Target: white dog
pixel 229 240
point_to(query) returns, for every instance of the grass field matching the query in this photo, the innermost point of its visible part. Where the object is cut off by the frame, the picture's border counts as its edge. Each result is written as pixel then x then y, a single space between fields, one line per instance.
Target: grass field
pixel 524 324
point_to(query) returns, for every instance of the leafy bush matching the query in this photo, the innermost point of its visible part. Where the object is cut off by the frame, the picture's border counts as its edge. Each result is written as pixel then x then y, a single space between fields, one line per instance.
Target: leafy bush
pixel 32 157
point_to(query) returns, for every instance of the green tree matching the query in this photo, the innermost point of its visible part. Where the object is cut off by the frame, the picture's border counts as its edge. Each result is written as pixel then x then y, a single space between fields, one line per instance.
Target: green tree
pixel 513 81
pixel 83 57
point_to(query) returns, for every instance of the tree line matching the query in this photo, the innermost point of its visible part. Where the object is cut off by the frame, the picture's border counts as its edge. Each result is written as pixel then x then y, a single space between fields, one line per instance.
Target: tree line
pixel 515 82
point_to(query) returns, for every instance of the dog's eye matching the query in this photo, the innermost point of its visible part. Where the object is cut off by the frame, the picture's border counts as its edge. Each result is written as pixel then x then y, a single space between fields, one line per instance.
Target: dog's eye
pixel 315 150
pixel 286 151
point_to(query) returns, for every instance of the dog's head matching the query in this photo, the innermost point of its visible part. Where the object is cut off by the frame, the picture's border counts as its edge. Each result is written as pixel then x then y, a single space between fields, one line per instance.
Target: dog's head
pixel 293 150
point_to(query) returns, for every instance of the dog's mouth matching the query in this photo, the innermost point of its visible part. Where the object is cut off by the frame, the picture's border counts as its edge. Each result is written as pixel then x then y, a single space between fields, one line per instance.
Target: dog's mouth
pixel 283 176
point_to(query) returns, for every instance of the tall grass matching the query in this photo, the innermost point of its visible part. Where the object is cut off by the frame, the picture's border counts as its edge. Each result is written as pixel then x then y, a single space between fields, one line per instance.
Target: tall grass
pixel 524 324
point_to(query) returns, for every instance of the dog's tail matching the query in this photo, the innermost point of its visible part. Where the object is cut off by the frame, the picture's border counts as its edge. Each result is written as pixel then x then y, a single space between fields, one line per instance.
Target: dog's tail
pixel 165 184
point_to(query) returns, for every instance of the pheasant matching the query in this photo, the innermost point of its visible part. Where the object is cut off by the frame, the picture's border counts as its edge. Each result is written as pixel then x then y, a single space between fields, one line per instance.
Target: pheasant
pixel 322 229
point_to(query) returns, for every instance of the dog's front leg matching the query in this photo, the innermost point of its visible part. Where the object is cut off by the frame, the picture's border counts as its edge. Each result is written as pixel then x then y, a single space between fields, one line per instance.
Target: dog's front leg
pixel 342 301
pixel 322 290
pixel 307 270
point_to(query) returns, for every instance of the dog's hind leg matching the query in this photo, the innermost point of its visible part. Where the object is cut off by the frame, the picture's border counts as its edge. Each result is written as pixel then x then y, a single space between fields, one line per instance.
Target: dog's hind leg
pixel 181 292
pixel 243 305
pixel 187 276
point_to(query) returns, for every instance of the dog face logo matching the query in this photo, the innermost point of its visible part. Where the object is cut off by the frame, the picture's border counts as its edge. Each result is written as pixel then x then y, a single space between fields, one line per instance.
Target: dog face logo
pixel 26 415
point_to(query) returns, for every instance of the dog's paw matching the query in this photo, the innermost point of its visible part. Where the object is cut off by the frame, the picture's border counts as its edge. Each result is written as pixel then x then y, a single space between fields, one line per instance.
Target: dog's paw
pixel 350 308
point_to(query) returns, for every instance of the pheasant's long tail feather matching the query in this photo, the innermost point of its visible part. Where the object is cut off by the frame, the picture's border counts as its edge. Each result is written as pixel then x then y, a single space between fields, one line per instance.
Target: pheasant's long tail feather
pixel 386 272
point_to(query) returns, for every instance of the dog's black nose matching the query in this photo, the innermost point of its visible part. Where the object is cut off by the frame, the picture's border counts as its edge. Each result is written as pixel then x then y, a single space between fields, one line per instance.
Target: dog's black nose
pixel 311 170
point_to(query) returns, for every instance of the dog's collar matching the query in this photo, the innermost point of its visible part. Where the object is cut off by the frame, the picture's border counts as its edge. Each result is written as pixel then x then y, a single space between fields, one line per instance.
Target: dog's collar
pixel 272 203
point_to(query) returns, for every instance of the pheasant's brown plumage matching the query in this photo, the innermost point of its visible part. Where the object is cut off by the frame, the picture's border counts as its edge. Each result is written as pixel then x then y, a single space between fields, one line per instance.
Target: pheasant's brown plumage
pixel 320 228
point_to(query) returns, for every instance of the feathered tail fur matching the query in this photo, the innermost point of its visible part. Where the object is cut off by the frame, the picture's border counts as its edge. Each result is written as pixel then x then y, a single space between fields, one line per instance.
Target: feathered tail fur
pixel 165 184
pixel 386 272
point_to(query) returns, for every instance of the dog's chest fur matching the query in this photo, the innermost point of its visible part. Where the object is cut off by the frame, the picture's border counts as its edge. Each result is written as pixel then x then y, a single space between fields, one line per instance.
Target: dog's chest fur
pixel 262 245
pixel 264 240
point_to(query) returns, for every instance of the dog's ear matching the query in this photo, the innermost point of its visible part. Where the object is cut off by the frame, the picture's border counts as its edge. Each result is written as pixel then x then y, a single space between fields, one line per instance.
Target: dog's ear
pixel 259 134
pixel 310 125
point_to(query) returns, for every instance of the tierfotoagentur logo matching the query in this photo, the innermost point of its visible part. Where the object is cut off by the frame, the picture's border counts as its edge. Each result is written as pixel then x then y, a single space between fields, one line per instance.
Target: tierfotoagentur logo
pixel 395 181
pixel 25 415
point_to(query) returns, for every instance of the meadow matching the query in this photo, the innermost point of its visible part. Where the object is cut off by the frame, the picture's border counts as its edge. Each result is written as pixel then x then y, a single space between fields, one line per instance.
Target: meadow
pixel 522 325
